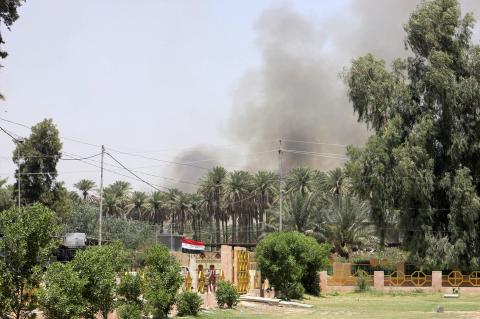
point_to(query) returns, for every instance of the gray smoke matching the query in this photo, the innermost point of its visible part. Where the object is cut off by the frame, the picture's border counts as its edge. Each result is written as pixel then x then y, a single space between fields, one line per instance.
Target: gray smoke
pixel 297 94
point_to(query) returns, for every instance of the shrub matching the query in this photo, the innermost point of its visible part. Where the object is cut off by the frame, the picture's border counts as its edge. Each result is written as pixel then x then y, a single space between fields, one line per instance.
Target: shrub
pixel 362 282
pixel 163 279
pixel 130 288
pixel 188 304
pixel 289 259
pixel 311 283
pixel 61 297
pixel 129 310
pixel 226 294
pixel 98 266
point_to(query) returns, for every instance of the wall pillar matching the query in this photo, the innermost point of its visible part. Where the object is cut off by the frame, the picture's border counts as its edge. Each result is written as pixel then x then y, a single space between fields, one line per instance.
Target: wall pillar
pixel 436 280
pixel 378 280
pixel 226 259
pixel 323 281
pixel 192 268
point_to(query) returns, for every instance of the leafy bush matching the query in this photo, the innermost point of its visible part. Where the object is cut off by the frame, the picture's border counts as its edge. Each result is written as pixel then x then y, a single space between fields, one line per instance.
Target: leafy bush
pixel 61 297
pixel 362 282
pixel 26 247
pixel 130 288
pixel 129 310
pixel 289 259
pixel 163 281
pixel 311 283
pixel 188 304
pixel 226 294
pixel 98 266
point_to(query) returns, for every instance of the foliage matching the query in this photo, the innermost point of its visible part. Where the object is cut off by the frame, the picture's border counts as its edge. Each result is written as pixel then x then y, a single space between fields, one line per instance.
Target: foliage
pixel 8 15
pixel 98 265
pixel 298 209
pixel 26 247
pixel 163 279
pixel 226 294
pixel 129 310
pixel 85 186
pixel 188 304
pixel 83 218
pixel 130 288
pixel 362 282
pixel 423 156
pixel 61 297
pixel 6 195
pixel 37 157
pixel 289 258
pixel 345 223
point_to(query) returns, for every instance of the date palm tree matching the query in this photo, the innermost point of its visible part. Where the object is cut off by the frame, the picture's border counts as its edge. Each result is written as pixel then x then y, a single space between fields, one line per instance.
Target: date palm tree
pixel 303 179
pixel 157 202
pixel 138 205
pixel 211 188
pixel 85 186
pixel 299 208
pixel 345 223
pixel 265 186
pixel 238 186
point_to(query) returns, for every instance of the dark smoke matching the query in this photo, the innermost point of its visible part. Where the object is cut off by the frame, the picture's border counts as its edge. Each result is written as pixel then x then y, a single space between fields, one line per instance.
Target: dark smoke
pixel 297 93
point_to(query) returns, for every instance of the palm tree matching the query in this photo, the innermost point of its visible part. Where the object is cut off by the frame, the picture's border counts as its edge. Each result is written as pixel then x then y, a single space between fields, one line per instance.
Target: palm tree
pixel 265 186
pixel 337 182
pixel 302 179
pixel 212 190
pixel 138 204
pixel 116 198
pixel 110 203
pixel 299 207
pixel 195 212
pixel 85 186
pixel 238 186
pixel 345 223
pixel 157 206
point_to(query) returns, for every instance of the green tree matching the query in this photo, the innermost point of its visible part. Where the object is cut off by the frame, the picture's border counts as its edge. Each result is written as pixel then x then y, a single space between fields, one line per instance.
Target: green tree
pixel 287 259
pixel 38 156
pixel 163 279
pixel 98 267
pixel 61 296
pixel 426 142
pixel 27 245
pixel 138 205
pixel 299 208
pixel 6 195
pixel 8 15
pixel 211 188
pixel 85 186
pixel 345 223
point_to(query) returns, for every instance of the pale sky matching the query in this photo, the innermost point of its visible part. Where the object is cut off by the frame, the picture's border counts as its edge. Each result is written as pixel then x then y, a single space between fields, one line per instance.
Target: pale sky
pixel 140 76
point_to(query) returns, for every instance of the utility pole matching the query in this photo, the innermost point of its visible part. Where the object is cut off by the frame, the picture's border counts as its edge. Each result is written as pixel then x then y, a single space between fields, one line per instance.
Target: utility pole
pixel 19 181
pixel 281 178
pixel 20 141
pixel 171 236
pixel 100 216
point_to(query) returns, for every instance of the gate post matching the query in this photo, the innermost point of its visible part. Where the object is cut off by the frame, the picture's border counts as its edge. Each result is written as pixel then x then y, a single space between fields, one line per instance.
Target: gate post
pixel 226 259
pixel 436 281
pixel 323 281
pixel 378 280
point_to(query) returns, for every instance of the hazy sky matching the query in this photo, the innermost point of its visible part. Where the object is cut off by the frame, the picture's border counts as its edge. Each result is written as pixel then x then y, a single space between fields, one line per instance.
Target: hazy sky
pixel 146 76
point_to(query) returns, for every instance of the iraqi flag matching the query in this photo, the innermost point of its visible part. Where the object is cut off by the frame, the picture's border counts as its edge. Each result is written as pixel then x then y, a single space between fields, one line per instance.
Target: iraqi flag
pixel 192 247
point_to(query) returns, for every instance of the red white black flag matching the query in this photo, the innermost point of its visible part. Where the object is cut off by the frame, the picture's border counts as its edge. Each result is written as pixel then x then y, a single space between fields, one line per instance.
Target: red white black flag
pixel 192 246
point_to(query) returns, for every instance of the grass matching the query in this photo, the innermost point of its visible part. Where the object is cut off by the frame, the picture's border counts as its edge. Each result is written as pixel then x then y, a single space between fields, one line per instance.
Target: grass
pixel 362 306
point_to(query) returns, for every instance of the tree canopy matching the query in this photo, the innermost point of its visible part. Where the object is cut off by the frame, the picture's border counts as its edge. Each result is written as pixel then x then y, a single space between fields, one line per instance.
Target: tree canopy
pixel 423 160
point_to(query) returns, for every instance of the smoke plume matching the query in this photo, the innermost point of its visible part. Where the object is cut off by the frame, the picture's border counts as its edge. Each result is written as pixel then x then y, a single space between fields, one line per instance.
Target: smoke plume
pixel 296 94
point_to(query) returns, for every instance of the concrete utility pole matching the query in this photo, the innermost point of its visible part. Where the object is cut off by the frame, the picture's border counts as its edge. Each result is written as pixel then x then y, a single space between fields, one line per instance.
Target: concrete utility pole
pixel 20 160
pixel 100 216
pixel 281 178
pixel 171 236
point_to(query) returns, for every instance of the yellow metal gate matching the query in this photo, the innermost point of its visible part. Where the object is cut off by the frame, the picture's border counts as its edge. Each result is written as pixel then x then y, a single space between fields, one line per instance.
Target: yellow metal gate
pixel 243 276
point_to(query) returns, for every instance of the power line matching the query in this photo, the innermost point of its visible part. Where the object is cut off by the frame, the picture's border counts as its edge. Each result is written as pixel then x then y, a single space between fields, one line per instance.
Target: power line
pixel 128 170
pixel 313 142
